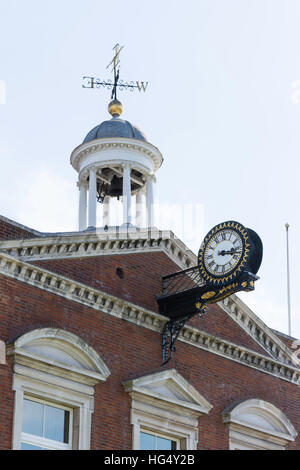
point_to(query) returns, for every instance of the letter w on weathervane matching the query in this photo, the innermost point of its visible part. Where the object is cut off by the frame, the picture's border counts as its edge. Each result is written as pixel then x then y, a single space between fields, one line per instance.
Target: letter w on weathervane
pixel 116 83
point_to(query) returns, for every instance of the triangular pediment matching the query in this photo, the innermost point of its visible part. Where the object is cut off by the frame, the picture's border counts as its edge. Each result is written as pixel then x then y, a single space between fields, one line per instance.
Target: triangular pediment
pixel 217 322
pixel 168 388
pixel 267 352
pixel 83 246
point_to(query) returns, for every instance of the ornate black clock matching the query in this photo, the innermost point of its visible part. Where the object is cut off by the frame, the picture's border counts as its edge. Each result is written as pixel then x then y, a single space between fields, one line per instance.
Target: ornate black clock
pixel 228 260
pixel 227 250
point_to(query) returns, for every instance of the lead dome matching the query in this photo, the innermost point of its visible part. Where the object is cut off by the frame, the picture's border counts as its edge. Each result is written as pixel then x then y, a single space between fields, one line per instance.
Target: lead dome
pixel 115 127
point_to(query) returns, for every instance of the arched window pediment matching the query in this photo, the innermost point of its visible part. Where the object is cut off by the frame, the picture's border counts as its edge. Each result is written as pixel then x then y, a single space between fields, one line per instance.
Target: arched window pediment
pixel 58 369
pixel 60 353
pixel 258 424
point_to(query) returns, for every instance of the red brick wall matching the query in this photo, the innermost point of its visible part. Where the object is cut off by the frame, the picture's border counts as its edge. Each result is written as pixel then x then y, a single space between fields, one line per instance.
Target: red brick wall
pixel 132 351
pixel 142 280
pixel 287 340
pixel 142 274
pixel 12 232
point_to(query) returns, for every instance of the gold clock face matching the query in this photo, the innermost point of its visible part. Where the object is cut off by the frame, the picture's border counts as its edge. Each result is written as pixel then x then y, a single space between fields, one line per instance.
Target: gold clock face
pixel 224 253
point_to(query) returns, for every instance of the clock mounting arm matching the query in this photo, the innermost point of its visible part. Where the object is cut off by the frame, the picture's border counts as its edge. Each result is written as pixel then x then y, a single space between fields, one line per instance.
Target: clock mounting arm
pixel 228 261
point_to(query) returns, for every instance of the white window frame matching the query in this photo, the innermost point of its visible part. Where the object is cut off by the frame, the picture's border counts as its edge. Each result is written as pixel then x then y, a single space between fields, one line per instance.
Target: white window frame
pixel 59 367
pixel 164 436
pixel 43 442
pixel 81 403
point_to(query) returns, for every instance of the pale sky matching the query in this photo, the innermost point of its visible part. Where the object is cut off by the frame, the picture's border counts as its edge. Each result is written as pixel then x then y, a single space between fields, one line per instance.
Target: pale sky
pixel 222 105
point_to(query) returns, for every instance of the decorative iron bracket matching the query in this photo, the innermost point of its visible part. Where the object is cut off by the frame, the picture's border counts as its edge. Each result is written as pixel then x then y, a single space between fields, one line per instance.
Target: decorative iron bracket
pixel 180 306
pixel 171 332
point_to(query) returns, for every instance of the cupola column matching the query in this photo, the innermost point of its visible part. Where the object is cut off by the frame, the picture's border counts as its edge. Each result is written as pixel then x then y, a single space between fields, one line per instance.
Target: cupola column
pixel 126 194
pixel 106 211
pixel 139 209
pixel 150 200
pixel 92 197
pixel 82 205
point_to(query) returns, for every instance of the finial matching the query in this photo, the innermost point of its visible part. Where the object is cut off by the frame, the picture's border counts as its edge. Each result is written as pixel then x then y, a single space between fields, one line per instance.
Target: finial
pixel 115 108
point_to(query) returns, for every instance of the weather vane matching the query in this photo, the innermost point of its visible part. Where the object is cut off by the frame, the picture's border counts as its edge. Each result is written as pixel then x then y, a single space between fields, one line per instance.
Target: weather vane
pixel 114 63
pixel 92 82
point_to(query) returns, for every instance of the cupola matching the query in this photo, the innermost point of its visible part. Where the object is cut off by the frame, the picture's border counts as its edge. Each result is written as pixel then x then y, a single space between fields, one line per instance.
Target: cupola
pixel 115 160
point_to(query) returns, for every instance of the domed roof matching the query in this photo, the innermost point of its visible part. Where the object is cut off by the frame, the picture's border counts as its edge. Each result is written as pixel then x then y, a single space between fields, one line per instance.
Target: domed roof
pixel 115 127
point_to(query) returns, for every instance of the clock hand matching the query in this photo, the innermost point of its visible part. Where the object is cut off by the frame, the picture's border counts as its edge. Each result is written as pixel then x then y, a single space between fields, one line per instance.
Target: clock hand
pixel 230 252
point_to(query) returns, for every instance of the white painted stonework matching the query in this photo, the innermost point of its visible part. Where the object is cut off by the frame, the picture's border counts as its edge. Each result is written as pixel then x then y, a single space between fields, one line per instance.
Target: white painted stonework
pixel 116 240
pixel 57 366
pixel 2 352
pixel 278 366
pixel 258 425
pixel 120 156
pixel 117 150
pixel 100 243
pixel 166 403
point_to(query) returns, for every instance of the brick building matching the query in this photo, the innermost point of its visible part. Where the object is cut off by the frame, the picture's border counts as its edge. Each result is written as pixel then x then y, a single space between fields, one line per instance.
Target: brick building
pixel 81 353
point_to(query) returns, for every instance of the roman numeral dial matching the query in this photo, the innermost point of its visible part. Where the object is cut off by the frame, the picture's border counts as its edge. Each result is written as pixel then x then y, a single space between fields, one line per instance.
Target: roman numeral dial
pixel 223 252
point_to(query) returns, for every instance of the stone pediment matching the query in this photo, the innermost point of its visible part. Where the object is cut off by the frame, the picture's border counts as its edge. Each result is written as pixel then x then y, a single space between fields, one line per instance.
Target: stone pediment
pixel 168 389
pixel 59 353
pixel 257 424
pixel 278 362
pixel 97 243
pixel 165 402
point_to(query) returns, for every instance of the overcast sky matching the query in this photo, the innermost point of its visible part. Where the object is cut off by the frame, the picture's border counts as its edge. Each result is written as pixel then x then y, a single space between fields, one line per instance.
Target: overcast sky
pixel 222 105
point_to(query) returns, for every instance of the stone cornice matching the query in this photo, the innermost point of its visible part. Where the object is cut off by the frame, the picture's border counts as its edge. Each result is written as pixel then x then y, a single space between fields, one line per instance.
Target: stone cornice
pixel 99 243
pixel 256 329
pixel 99 145
pixel 85 295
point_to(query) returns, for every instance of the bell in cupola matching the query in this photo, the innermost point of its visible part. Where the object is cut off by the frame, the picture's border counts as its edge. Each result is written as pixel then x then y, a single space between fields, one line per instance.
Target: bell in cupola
pixel 116 187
